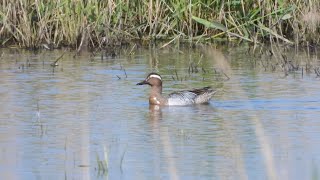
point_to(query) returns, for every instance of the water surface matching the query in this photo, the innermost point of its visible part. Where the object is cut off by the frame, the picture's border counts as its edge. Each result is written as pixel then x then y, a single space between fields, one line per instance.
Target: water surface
pixel 86 118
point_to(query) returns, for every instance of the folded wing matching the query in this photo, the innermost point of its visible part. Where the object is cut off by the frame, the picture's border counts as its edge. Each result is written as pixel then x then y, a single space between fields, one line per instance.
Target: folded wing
pixel 195 96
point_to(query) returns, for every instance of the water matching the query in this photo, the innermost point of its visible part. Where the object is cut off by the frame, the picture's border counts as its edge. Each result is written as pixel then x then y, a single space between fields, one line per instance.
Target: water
pixel 87 115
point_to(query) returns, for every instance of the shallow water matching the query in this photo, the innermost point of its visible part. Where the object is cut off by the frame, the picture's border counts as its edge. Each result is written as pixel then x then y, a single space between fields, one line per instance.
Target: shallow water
pixel 65 122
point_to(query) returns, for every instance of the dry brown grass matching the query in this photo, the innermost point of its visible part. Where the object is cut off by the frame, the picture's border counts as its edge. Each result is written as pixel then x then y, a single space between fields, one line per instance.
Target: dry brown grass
pixel 114 22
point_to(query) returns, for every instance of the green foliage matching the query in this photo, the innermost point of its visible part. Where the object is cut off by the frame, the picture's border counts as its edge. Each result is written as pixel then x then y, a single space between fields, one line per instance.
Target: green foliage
pixel 208 24
pixel 98 23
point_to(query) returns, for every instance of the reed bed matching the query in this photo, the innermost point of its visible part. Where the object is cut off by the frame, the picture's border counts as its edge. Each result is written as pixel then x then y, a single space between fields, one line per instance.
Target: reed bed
pixel 96 23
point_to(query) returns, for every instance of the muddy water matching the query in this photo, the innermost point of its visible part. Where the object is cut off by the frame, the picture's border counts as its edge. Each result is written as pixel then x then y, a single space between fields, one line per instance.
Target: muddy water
pixel 86 118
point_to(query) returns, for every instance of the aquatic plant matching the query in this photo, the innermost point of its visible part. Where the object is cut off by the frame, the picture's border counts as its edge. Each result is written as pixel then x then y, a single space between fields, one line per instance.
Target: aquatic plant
pixel 103 163
pixel 95 23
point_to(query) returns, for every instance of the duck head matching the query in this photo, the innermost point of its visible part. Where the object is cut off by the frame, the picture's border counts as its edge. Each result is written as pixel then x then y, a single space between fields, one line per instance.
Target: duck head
pixel 153 80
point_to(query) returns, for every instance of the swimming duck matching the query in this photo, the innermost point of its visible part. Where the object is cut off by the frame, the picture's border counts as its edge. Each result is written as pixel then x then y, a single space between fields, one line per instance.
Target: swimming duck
pixel 186 97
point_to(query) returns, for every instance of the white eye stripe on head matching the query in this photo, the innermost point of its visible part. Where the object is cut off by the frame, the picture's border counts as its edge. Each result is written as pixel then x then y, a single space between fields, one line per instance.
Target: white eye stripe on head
pixel 154 76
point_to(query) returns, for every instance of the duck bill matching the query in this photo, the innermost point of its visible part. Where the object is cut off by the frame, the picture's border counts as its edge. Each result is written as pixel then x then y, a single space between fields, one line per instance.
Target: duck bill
pixel 143 82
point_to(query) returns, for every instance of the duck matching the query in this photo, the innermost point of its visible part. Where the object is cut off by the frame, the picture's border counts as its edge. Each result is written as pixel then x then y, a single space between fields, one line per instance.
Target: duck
pixel 178 98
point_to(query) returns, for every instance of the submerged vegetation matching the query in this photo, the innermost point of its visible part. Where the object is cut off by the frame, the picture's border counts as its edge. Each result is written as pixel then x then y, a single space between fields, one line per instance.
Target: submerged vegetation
pixel 96 23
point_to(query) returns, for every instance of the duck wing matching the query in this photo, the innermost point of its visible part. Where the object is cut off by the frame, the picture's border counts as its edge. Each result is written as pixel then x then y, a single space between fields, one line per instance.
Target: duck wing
pixel 204 94
pixel 182 98
pixel 202 91
pixel 195 96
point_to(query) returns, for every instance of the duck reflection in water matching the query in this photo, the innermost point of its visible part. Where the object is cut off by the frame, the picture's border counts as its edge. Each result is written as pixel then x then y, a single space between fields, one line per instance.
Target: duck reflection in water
pixel 155 112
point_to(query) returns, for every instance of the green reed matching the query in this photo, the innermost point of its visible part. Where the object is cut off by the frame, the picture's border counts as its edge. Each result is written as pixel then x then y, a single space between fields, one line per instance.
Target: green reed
pixel 96 23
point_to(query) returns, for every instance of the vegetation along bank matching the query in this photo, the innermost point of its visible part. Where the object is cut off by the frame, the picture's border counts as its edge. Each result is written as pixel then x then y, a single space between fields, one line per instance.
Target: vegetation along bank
pixel 99 23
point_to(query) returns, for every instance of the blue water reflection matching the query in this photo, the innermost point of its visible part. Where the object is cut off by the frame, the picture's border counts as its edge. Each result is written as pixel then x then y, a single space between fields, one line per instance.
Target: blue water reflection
pixel 88 115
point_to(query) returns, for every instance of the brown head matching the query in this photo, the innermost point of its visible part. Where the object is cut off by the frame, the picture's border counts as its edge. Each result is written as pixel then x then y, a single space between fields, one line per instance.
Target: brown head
pixel 155 81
